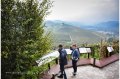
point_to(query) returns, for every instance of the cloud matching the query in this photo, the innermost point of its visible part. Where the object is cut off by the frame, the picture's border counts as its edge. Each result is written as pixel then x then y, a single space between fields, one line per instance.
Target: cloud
pixel 86 11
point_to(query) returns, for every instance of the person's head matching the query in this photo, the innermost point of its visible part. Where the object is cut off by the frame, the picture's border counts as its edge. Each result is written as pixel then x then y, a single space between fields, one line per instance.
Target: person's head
pixel 74 46
pixel 71 48
pixel 60 46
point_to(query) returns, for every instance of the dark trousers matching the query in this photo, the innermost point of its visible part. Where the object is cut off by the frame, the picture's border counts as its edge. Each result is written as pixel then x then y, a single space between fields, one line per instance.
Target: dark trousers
pixel 61 68
pixel 74 64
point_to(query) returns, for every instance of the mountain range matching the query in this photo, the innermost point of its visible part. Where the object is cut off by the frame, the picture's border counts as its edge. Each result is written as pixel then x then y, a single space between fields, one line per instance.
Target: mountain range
pixel 109 26
pixel 67 33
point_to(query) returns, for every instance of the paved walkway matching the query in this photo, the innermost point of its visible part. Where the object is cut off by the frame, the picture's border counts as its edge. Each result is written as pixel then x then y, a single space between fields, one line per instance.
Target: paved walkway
pixel 110 71
pixel 98 63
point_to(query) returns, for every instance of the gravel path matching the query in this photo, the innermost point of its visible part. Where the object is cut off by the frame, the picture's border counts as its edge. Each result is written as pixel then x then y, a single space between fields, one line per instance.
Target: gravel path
pixel 89 72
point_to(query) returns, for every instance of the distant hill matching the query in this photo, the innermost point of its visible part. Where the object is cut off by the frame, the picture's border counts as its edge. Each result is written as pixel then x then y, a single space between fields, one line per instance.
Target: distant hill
pixel 66 34
pixel 109 26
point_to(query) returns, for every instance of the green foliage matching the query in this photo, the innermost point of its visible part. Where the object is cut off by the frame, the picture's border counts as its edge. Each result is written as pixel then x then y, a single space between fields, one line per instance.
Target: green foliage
pixel 116 46
pixel 96 53
pixel 103 50
pixel 23 40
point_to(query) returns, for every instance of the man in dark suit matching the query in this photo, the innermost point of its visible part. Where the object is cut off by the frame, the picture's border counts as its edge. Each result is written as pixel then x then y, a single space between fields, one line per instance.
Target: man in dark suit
pixel 62 60
pixel 75 56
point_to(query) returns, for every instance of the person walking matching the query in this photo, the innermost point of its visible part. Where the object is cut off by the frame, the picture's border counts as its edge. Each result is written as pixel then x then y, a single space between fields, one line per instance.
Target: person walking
pixel 75 56
pixel 62 61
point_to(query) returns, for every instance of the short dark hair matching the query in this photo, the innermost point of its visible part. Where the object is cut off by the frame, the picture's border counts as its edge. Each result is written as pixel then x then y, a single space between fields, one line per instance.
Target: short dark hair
pixel 74 45
pixel 60 45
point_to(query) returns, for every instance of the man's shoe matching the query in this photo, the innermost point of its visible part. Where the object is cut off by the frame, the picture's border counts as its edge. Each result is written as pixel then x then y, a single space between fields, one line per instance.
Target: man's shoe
pixel 74 73
pixel 61 76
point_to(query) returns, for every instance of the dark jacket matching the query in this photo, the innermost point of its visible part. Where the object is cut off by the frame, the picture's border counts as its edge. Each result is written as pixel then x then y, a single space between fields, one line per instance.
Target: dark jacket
pixel 62 56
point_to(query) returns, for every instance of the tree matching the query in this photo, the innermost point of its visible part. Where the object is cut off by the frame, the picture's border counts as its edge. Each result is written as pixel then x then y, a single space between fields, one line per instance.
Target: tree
pixel 23 39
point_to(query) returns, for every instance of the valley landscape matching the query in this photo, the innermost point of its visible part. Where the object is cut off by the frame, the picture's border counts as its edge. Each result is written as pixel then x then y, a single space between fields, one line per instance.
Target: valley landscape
pixel 68 33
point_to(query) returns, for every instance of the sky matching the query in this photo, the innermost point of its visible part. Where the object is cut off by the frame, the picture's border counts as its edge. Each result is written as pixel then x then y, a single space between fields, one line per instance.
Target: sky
pixel 85 11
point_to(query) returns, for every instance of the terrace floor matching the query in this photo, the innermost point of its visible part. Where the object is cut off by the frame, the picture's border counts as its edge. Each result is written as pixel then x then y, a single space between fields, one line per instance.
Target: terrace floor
pixel 110 71
pixel 105 68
